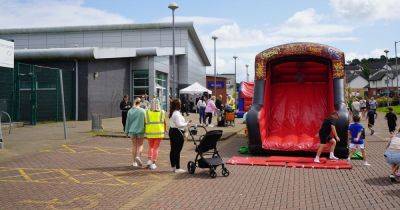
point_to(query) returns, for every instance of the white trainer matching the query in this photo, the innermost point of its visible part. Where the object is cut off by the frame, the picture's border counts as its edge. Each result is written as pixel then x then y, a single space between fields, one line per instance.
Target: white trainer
pixel 152 166
pixel 179 171
pixel 316 160
pixel 332 157
pixel 366 163
pixel 138 161
pixel 134 164
pixel 149 162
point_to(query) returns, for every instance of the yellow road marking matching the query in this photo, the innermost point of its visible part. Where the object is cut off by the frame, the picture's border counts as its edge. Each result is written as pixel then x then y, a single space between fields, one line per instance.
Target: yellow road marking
pixel 116 178
pixel 68 148
pixel 102 150
pixel 63 172
pixel 23 174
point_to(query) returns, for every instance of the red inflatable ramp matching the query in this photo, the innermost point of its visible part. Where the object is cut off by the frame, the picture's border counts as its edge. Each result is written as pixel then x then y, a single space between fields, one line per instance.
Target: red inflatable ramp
pixel 293 162
pixel 330 164
pixel 256 161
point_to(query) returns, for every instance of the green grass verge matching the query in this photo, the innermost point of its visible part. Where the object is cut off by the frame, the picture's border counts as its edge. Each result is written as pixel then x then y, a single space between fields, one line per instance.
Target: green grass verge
pixel 385 109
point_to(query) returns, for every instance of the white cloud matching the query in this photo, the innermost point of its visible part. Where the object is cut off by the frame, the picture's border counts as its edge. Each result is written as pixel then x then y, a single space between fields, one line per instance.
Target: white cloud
pixel 376 53
pixel 42 13
pixel 199 20
pixel 307 23
pixel 369 10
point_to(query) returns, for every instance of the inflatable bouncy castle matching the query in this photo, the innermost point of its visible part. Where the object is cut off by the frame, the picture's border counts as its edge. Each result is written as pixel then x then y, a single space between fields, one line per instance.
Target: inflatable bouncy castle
pixel 246 92
pixel 296 86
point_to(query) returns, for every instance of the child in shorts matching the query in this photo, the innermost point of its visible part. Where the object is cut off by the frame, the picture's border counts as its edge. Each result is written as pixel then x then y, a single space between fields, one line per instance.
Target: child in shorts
pixel 391 120
pixel 371 116
pixel 357 138
pixel 328 134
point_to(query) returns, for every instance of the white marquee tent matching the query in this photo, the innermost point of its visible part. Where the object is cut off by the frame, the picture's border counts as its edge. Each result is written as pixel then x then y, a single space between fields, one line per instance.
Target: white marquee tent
pixel 195 88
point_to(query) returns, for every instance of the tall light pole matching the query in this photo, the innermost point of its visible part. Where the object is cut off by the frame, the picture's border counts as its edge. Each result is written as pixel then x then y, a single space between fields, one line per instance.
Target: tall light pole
pixel 173 6
pixel 235 91
pixel 215 64
pixel 387 75
pixel 397 68
pixel 247 72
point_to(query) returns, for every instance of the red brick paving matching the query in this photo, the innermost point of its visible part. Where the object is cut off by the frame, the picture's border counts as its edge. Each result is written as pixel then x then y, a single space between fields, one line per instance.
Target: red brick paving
pixel 83 176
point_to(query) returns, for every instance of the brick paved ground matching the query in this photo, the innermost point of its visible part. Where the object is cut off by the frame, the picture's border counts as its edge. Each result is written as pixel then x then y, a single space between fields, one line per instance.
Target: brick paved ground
pixel 95 173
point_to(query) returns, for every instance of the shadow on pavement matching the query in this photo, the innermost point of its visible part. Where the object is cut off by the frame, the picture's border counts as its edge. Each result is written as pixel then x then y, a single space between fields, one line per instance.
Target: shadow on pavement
pixel 379 181
pixel 395 193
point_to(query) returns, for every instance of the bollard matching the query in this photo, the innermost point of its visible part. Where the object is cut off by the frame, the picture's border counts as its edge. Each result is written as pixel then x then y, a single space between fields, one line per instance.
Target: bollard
pixel 96 123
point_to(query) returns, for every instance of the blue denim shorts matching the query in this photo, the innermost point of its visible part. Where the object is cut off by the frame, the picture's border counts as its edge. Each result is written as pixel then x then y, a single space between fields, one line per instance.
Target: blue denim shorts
pixel 392 157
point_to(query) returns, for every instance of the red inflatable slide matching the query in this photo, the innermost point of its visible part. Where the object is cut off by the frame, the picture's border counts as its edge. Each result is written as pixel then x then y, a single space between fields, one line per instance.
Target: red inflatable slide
pixel 246 95
pixel 296 86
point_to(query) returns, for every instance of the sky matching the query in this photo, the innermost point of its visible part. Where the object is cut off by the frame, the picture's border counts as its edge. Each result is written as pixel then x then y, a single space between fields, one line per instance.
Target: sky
pixel 361 28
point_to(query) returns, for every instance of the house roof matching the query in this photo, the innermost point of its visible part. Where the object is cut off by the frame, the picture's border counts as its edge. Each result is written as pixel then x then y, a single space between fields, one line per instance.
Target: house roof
pixel 352 67
pixel 189 25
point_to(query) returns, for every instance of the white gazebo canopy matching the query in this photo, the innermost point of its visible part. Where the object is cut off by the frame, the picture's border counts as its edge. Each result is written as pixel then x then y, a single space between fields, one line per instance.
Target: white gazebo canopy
pixel 195 88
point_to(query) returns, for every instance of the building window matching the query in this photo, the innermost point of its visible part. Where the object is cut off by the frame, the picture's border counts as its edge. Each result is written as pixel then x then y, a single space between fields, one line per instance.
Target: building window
pixel 140 82
pixel 161 88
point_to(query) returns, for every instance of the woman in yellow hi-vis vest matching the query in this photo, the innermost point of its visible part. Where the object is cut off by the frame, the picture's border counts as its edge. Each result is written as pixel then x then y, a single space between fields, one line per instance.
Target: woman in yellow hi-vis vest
pixel 155 131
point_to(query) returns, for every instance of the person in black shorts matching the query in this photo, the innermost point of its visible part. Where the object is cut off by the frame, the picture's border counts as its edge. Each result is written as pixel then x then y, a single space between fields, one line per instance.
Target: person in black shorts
pixel 391 120
pixel 371 116
pixel 326 132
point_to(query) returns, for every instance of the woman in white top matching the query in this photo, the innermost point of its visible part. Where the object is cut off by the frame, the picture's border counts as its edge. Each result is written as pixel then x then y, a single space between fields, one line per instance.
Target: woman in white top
pixel 392 155
pixel 177 126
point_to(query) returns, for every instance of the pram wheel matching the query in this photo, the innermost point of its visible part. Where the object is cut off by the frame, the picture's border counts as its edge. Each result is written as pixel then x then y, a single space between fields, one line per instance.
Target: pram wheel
pixel 213 174
pixel 225 172
pixel 191 166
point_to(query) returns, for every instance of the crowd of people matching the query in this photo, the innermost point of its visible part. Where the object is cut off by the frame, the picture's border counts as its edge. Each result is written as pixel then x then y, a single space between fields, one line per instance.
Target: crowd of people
pixel 144 119
pixel 360 109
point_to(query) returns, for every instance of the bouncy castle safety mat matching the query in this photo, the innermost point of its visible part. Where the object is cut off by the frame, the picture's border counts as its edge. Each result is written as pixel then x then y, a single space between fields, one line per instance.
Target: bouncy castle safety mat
pixel 292 162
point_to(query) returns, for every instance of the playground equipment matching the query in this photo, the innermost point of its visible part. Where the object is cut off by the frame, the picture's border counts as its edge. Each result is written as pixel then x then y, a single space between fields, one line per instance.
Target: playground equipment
pixel 296 86
pixel 246 92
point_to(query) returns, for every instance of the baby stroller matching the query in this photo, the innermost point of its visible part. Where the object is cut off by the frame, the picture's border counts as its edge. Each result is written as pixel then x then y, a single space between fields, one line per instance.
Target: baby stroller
pixel 207 154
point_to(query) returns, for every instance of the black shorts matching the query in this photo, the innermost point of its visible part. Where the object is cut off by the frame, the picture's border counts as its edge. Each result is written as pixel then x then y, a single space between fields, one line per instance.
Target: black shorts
pixel 371 123
pixel 324 139
pixel 392 128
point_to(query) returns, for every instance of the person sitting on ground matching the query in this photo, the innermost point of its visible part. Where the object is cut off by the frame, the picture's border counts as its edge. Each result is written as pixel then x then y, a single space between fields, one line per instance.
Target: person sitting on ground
pixel 155 131
pixel 371 116
pixel 392 155
pixel 325 134
pixel 134 128
pixel 391 120
pixel 357 138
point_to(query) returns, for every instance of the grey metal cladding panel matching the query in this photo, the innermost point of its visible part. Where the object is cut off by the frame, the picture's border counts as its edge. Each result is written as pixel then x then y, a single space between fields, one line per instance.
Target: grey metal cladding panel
pixel 166 43
pixel 150 44
pixel 37 40
pixel 111 44
pixel 150 35
pixel 131 44
pixel 74 38
pixel 112 36
pixel 130 36
pixel 161 63
pixel 55 40
pixel 93 39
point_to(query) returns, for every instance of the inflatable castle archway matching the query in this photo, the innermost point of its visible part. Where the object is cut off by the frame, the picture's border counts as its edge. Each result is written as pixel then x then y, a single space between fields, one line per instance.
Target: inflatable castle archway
pixel 297 85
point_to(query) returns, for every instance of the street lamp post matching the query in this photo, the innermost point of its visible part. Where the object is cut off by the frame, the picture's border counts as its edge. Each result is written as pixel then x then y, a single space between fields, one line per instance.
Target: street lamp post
pixel 397 68
pixel 247 72
pixel 173 6
pixel 236 95
pixel 387 76
pixel 215 64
